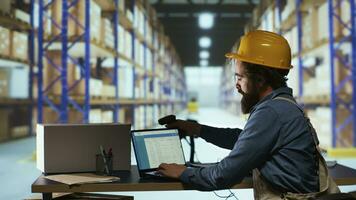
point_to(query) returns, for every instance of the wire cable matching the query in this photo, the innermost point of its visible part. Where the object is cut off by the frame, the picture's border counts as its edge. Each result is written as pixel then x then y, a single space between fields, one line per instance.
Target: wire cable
pixel 228 196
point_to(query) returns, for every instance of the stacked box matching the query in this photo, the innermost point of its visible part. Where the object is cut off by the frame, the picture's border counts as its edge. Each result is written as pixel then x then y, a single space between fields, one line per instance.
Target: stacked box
pixel 21 15
pixel 288 10
pixel 5 41
pixel 149 59
pixel 108 91
pixel 310 29
pixel 19 131
pixel 19 45
pixel 4 82
pixel 5 6
pixel 125 82
pixel 95 88
pixel 14 82
pixel 57 14
pixel 128 44
pixel 107 116
pixel 95 116
pixel 107 33
pixel 95 19
pixel 121 5
pixel 121 38
pixel 4 124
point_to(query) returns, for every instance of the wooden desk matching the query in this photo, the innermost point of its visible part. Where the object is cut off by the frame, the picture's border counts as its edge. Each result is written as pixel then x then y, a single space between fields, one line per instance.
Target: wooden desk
pixel 130 181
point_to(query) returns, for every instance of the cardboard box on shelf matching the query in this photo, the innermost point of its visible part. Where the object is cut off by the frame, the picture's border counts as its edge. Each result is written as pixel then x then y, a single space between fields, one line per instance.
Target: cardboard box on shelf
pixel 126 82
pixel 95 88
pixel 128 44
pixel 95 19
pixel 19 131
pixel 310 29
pixel 107 116
pixel 108 91
pixel 19 45
pixel 121 6
pixel 4 82
pixel 4 124
pixel 5 6
pixel 121 37
pixel 21 15
pixel 122 116
pixel 56 11
pixel 5 41
pixel 95 116
pixel 14 82
pixel 106 33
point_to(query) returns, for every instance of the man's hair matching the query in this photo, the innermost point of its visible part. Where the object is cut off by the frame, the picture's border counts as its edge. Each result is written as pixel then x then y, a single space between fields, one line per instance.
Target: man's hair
pixel 268 76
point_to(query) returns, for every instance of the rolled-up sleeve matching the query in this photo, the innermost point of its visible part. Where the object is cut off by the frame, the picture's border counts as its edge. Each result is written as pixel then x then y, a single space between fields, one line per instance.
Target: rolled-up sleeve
pixel 250 151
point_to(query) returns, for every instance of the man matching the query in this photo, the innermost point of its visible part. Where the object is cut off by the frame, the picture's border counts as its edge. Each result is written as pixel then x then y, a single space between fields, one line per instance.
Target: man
pixel 277 143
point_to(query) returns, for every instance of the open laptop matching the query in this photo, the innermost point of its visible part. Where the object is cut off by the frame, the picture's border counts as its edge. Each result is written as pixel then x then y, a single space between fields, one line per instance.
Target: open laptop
pixel 155 146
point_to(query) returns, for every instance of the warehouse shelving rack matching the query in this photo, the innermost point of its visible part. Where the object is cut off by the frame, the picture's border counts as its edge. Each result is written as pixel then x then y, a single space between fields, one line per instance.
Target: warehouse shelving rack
pixel 63 40
pixel 7 61
pixel 335 42
pixel 337 99
pixel 83 104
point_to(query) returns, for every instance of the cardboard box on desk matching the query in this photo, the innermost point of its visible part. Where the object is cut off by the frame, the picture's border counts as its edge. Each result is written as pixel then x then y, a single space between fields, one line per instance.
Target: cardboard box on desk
pixel 63 148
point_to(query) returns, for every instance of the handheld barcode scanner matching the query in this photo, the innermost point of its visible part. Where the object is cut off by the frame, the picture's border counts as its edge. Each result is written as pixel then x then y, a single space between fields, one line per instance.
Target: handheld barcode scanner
pixel 172 118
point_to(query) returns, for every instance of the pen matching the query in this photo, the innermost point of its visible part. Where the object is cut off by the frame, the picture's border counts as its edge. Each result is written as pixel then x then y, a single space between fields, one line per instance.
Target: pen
pixel 110 152
pixel 104 159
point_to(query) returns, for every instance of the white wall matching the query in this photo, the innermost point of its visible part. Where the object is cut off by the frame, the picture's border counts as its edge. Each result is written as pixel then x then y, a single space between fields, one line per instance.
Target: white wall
pixel 205 82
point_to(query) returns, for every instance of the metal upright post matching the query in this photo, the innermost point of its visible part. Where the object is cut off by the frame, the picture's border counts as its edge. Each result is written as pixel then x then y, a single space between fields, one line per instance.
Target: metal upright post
pixel 353 64
pixel 134 61
pixel 332 78
pixel 335 44
pixel 145 74
pixel 87 61
pixel 279 6
pixel 40 64
pixel 300 60
pixel 116 60
pixel 64 82
pixel 32 59
pixel 154 77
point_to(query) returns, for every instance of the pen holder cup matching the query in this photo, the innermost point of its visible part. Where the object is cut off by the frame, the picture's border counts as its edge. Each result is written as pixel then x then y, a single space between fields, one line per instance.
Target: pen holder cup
pixel 101 167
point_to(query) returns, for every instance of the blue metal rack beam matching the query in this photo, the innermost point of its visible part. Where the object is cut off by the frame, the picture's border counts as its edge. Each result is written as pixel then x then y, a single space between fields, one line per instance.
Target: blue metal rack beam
pixel 116 60
pixel 32 63
pixel 338 125
pixel 145 68
pixel 300 60
pixel 133 56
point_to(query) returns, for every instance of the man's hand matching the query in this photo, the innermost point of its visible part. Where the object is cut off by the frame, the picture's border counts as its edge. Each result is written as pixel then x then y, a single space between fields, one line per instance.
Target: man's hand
pixel 188 128
pixel 171 170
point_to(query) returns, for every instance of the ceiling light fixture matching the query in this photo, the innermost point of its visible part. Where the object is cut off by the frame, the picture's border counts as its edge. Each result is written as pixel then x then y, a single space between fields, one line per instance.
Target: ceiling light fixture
pixel 204 55
pixel 205 42
pixel 204 63
pixel 206 20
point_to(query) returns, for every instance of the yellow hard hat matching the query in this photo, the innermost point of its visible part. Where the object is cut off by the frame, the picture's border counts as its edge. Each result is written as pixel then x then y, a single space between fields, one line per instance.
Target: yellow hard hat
pixel 264 48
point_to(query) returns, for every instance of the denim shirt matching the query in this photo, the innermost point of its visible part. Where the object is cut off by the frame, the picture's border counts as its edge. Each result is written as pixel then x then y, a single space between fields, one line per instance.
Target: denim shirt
pixel 275 139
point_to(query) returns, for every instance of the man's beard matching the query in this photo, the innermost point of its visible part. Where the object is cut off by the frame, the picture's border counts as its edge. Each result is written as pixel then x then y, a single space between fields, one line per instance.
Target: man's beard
pixel 250 98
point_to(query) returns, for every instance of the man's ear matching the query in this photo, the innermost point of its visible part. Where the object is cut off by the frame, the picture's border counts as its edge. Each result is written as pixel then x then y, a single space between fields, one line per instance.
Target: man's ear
pixel 261 80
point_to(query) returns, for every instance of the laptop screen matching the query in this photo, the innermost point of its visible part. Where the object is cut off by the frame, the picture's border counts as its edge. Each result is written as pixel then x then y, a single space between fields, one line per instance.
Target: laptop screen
pixel 156 146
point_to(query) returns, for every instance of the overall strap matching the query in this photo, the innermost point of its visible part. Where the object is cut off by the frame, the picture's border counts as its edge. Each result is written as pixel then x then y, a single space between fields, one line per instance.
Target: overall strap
pixel 312 130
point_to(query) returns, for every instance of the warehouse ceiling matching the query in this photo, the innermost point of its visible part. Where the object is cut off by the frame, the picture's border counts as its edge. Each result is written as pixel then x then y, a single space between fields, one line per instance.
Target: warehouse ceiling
pixel 180 21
